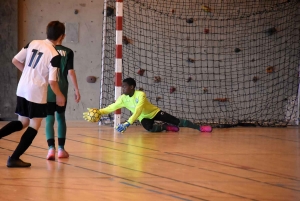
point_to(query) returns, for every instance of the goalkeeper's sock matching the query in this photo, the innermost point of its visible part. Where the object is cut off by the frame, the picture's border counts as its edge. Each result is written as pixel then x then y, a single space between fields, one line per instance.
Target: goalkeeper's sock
pixel 188 124
pixel 157 128
pixel 164 127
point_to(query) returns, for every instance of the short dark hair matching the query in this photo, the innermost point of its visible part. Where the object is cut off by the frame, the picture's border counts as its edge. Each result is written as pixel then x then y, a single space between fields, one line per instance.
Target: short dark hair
pixel 130 81
pixel 55 29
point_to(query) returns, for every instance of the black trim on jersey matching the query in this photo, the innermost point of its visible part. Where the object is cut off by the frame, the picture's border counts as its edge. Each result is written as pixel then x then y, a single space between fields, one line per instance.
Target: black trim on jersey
pixel 26 46
pixel 55 61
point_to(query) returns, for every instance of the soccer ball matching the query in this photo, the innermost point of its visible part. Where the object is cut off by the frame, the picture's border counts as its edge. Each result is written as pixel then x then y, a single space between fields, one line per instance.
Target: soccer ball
pixel 93 115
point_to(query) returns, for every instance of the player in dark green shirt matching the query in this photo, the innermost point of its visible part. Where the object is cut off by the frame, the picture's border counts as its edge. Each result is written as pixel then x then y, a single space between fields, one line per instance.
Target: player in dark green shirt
pixel 66 68
pixel 145 112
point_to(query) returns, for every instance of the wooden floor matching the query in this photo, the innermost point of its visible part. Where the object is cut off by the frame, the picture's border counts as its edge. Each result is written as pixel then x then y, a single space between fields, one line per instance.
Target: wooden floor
pixel 226 165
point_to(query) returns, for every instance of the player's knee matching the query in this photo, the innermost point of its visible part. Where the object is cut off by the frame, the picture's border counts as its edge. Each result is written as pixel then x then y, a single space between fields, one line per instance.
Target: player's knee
pixel 25 124
pixel 24 121
pixel 35 123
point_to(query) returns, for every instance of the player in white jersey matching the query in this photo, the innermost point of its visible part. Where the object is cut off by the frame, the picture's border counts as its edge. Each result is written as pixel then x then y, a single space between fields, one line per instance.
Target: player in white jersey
pixel 39 63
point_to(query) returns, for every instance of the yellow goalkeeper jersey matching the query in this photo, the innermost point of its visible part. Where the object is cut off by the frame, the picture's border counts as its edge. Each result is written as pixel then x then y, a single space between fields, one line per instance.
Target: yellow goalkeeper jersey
pixel 138 104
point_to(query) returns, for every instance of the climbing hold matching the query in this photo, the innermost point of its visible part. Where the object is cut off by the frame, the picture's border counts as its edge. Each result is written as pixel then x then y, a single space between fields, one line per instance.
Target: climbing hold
pixel 206 31
pixel 76 11
pixel 157 79
pixel 141 72
pixel 271 31
pixel 270 69
pixel 221 99
pixel 91 79
pixel 190 20
pixel 126 40
pixel 141 89
pixel 189 79
pixel 172 89
pixel 237 50
pixel 206 8
pixel 109 11
pixel 255 78
pixel 158 98
pixel 190 60
pixel 205 89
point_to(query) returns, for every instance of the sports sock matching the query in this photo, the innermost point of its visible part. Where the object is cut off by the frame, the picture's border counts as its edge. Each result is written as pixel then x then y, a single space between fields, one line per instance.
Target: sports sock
pixel 158 128
pixel 24 143
pixel 50 127
pixel 189 124
pixel 61 143
pixel 51 143
pixel 61 125
pixel 11 127
pixel 61 129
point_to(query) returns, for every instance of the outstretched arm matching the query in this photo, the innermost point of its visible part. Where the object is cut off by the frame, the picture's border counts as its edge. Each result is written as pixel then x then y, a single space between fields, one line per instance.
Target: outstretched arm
pixel 73 78
pixel 113 107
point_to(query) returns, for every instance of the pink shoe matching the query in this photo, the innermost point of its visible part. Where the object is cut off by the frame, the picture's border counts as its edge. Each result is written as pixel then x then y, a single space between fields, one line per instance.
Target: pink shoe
pixel 51 154
pixel 172 128
pixel 205 128
pixel 62 153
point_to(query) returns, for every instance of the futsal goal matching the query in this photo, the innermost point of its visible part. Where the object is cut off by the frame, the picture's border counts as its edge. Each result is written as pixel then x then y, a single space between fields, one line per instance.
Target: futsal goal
pixel 225 63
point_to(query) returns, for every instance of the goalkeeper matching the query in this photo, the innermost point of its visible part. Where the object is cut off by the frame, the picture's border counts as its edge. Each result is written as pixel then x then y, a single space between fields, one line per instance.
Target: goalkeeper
pixel 145 112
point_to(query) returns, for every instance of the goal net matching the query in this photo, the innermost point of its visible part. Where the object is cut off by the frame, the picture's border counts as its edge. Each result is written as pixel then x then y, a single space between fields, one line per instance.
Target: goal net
pixel 212 61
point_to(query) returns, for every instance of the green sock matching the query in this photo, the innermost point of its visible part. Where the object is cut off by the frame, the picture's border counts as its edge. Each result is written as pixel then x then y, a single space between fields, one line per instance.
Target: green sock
pixel 188 124
pixel 61 129
pixel 50 127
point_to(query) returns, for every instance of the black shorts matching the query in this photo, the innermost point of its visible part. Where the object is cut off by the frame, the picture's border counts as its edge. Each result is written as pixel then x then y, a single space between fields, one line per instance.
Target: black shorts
pixel 29 109
pixel 160 116
pixel 52 108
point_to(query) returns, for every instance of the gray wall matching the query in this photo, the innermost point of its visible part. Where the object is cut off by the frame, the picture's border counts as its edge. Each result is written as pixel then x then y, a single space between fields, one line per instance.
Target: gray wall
pixel 34 17
pixel 8 47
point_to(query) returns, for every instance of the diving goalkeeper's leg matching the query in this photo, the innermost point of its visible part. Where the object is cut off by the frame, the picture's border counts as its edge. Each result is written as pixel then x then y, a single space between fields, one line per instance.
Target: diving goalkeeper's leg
pixel 150 126
pixel 189 124
pixel 165 117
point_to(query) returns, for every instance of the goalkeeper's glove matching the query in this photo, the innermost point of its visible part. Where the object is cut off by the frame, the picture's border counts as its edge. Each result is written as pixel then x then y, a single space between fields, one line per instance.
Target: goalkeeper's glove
pixel 122 127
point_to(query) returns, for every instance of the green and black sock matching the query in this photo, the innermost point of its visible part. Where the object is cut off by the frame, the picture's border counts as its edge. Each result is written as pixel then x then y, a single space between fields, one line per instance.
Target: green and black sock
pixel 188 124
pixel 158 128
pixel 61 129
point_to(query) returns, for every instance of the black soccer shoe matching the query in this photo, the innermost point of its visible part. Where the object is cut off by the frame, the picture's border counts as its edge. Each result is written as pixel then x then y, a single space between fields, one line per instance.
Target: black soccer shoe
pixel 16 163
